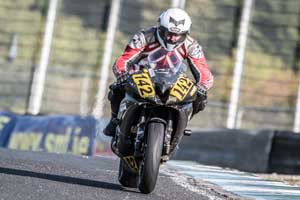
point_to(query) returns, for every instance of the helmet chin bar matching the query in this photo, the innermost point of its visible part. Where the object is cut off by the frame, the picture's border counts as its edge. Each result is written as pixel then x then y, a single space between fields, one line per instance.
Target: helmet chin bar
pixel 169 46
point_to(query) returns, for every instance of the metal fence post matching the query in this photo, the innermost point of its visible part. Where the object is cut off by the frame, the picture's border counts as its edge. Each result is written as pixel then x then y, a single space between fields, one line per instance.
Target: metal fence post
pixel 110 35
pixel 239 63
pixel 178 4
pixel 297 112
pixel 13 49
pixel 84 96
pixel 37 86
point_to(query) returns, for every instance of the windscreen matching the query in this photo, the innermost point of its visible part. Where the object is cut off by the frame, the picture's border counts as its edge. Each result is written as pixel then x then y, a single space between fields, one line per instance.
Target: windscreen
pixel 166 62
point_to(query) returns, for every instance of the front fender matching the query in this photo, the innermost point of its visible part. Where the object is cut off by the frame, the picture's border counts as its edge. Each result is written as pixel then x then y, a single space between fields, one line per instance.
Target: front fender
pixel 159 120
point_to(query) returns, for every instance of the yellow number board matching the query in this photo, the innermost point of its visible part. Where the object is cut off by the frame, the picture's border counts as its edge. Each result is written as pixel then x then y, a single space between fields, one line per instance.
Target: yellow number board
pixel 182 88
pixel 144 84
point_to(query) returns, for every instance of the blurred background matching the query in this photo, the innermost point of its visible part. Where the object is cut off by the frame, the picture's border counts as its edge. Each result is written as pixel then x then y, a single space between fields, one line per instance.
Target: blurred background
pixel 78 48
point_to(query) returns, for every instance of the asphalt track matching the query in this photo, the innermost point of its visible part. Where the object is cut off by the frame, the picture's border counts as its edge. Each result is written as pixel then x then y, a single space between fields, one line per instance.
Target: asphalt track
pixel 38 175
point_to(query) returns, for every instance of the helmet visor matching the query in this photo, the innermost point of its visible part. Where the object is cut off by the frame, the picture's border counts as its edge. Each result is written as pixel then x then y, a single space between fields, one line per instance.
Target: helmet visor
pixel 170 37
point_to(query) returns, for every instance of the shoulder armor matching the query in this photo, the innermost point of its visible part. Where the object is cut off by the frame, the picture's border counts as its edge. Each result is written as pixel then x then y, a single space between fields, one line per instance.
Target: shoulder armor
pixel 138 41
pixel 150 34
pixel 142 38
pixel 193 47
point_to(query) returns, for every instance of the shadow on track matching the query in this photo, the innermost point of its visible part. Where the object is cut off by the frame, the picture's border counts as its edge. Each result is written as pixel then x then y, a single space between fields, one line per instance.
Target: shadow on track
pixel 64 179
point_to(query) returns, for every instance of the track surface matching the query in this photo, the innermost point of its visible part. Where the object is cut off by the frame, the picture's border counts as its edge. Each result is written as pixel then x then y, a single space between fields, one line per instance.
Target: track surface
pixel 245 184
pixel 38 175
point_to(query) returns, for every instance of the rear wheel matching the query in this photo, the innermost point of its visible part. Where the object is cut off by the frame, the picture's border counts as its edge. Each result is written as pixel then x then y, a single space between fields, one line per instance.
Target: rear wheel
pixel 126 177
pixel 150 167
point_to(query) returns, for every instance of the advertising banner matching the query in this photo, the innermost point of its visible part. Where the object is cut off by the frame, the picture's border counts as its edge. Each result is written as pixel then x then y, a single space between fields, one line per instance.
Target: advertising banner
pixel 59 134
pixel 7 122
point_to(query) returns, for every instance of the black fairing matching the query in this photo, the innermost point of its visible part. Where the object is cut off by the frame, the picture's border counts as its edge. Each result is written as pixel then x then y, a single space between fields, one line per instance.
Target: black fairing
pixel 128 117
pixel 131 89
pixel 180 122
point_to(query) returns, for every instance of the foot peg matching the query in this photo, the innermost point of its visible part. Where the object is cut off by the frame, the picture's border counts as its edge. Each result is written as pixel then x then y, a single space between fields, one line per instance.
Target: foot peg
pixel 187 132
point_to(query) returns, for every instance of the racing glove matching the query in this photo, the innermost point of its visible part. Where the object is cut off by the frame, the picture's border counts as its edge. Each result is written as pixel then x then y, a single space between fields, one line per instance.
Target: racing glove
pixel 122 77
pixel 201 100
pixel 202 92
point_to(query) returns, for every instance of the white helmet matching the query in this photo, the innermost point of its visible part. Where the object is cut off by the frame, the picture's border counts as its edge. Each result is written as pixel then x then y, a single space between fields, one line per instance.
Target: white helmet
pixel 174 25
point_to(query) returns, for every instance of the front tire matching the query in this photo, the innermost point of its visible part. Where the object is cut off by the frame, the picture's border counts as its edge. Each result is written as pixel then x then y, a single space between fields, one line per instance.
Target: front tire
pixel 150 167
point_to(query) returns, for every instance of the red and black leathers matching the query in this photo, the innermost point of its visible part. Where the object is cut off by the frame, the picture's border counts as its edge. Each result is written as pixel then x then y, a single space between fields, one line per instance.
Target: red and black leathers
pixel 145 42
pixel 141 45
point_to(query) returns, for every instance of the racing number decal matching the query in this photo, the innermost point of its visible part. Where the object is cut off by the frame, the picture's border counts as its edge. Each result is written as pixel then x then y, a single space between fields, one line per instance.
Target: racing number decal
pixel 181 88
pixel 130 161
pixel 144 84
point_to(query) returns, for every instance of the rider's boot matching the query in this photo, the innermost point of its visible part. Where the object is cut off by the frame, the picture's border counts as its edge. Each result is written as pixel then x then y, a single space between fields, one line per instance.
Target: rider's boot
pixel 110 129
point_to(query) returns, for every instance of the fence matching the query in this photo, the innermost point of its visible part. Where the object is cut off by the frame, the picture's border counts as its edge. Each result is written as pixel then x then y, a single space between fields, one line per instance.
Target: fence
pixel 270 80
pixel 271 76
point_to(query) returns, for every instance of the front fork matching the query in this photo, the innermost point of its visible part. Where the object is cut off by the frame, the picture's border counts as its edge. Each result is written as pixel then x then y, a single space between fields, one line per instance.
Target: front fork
pixel 167 138
pixel 140 136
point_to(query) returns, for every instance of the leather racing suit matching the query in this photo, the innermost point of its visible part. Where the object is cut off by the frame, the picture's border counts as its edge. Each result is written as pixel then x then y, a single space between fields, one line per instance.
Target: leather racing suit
pixel 145 42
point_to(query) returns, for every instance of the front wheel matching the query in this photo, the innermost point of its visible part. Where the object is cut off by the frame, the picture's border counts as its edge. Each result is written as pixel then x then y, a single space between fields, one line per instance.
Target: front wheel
pixel 150 166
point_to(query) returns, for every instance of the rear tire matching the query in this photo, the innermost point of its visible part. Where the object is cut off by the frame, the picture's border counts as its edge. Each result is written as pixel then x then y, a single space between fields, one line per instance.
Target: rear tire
pixel 126 177
pixel 150 167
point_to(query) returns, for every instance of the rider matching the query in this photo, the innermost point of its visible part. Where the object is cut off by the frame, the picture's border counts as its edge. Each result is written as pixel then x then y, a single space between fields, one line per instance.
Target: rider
pixel 172 34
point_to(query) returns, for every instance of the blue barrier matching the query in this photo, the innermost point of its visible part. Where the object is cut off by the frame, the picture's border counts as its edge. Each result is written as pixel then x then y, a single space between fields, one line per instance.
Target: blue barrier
pixel 7 122
pixel 60 134
pixel 102 142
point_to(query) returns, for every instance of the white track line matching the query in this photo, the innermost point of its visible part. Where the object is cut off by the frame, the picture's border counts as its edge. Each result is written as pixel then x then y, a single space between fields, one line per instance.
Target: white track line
pixel 240 183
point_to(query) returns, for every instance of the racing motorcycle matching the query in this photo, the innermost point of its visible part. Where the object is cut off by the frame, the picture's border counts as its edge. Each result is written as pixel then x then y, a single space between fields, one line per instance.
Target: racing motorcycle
pixel 152 118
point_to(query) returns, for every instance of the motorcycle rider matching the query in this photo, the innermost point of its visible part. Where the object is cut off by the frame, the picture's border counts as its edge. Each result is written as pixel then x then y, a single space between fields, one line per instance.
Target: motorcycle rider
pixel 172 34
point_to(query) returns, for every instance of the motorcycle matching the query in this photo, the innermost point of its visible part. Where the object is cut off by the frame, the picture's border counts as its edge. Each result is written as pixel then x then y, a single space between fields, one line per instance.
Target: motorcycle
pixel 152 118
